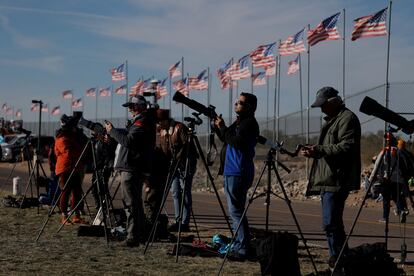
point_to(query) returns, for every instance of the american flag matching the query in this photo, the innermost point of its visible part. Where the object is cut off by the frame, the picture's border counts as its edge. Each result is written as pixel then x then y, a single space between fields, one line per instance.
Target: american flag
pixel 371 25
pixel 45 108
pixel 270 70
pixel 91 92
pixel 121 90
pixel 242 70
pixel 292 45
pixel 55 111
pixel 105 92
pixel 9 111
pixel 259 78
pixel 293 66
pixel 145 84
pixel 200 82
pixel 67 94
pixel 34 107
pixel 4 107
pixel 174 70
pixel 263 55
pixel 118 73
pixel 162 88
pixel 326 30
pixel 136 87
pixel 181 86
pixel 77 103
pixel 223 74
pixel 18 113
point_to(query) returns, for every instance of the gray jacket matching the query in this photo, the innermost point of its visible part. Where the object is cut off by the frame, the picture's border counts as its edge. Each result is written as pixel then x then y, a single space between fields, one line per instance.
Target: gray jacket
pixel 338 166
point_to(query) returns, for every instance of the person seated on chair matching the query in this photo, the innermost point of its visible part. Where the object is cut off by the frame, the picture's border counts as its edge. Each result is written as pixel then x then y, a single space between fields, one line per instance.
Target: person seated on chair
pixel 237 166
pixel 173 139
pixel 68 148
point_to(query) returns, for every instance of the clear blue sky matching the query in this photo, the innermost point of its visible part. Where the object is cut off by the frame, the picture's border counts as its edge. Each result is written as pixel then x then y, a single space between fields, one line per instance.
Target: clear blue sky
pixel 49 46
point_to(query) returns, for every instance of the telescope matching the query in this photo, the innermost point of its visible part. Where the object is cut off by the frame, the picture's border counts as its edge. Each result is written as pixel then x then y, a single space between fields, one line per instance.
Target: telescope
pixel 37 102
pixel 371 107
pixel 209 111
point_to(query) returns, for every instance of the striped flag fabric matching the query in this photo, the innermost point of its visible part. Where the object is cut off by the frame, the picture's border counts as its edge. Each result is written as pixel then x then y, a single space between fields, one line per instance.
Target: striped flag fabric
pixel 293 66
pixel 270 70
pixel 67 94
pixel 162 88
pixel 121 90
pixel 181 86
pixel 55 111
pixel 174 70
pixel 200 82
pixel 326 30
pixel 105 92
pixel 77 103
pixel 91 92
pixel 371 25
pixel 34 107
pixel 18 113
pixel 263 55
pixel 293 44
pixel 145 84
pixel 259 78
pixel 223 74
pixel 118 73
pixel 45 108
pixel 242 71
pixel 136 87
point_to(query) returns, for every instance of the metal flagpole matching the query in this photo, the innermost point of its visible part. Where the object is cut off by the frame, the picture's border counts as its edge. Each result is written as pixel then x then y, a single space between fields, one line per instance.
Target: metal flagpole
pixel 300 91
pixel 208 120
pixel 267 102
pixel 230 96
pixel 182 78
pixel 112 100
pixel 275 100
pixel 343 56
pixel 126 94
pixel 71 104
pixel 96 104
pixel 170 95
pixel 308 106
pixel 387 84
pixel 278 97
pixel 48 119
pixel 252 78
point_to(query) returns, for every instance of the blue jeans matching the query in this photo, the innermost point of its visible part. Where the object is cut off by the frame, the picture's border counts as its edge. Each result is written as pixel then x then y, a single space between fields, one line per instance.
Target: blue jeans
pixel 235 188
pixel 333 204
pixel 177 190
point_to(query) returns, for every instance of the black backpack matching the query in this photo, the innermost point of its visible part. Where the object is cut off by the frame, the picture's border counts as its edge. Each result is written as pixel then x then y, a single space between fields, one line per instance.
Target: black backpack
pixel 278 254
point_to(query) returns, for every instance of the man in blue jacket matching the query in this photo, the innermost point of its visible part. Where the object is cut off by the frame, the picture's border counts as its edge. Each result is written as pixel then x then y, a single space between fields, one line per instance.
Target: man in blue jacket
pixel 238 168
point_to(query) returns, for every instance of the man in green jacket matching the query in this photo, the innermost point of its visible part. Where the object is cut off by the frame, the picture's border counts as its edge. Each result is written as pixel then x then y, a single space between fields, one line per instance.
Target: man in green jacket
pixel 336 167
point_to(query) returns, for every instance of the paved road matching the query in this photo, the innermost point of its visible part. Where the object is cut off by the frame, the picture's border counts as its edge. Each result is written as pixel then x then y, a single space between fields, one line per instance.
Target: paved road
pixel 208 215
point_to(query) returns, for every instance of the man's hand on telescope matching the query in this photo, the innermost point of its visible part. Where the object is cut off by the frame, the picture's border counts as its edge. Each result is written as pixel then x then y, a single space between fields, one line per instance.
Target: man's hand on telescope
pixel 108 126
pixel 308 151
pixel 219 122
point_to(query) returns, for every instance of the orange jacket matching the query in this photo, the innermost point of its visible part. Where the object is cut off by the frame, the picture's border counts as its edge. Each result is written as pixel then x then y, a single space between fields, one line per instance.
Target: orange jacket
pixel 68 148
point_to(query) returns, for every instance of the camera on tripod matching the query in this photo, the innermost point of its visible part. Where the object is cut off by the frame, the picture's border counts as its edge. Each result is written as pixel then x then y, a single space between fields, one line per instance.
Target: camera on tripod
pixel 209 111
pixel 371 107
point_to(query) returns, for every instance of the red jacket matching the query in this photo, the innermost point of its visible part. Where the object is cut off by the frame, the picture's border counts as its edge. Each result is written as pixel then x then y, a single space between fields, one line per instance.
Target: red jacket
pixel 68 148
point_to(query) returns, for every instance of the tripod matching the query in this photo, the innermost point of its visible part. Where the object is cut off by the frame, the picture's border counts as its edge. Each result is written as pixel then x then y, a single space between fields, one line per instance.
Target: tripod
pixel 192 141
pixel 104 201
pixel 387 157
pixel 270 166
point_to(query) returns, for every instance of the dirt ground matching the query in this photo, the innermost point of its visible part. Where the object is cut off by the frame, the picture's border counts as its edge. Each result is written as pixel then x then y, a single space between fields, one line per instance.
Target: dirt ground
pixel 66 253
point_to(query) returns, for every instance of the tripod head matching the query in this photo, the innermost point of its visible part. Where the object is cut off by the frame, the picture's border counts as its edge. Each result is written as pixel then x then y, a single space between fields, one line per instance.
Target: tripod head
pixel 192 122
pixel 278 146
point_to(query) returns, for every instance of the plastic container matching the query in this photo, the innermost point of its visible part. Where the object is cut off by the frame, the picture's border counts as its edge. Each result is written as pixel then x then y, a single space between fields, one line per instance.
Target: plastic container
pixel 17 188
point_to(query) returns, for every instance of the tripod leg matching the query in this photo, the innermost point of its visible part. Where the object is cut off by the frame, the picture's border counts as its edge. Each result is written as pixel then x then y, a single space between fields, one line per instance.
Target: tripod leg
pixel 203 158
pixel 27 187
pixel 288 202
pixel 195 225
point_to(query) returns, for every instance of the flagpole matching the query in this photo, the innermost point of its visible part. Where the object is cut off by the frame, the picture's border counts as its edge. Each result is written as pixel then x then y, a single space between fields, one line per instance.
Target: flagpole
pixel 387 84
pixel 308 105
pixel 343 56
pixel 275 100
pixel 208 120
pixel 252 78
pixel 71 103
pixel 126 93
pixel 170 95
pixel 96 104
pixel 48 119
pixel 267 102
pixel 182 78
pixel 112 100
pixel 300 91
pixel 278 96
pixel 230 95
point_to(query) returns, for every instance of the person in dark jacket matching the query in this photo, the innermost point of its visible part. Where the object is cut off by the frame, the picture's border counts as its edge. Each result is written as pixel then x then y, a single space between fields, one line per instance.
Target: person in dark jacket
pixel 238 168
pixel 336 167
pixel 134 161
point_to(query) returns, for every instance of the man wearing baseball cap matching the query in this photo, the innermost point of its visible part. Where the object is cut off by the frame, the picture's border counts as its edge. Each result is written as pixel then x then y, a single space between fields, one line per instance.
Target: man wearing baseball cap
pixel 136 146
pixel 336 167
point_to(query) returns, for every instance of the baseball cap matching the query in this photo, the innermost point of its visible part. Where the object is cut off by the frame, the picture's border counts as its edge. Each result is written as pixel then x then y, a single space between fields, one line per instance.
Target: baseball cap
pixel 323 95
pixel 138 100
